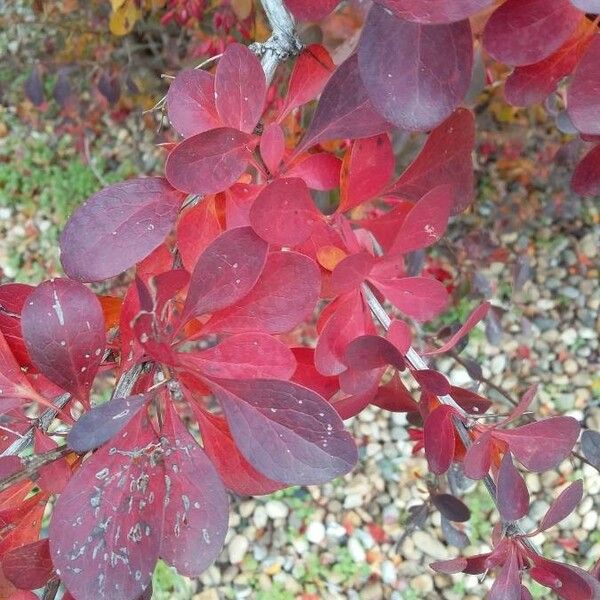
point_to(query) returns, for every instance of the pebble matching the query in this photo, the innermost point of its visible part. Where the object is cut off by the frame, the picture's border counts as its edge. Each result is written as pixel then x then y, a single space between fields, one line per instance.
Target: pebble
pixel 238 546
pixel 315 532
pixel 422 584
pixel 429 545
pixel 357 552
pixel 276 509
pixel 388 572
pixel 260 517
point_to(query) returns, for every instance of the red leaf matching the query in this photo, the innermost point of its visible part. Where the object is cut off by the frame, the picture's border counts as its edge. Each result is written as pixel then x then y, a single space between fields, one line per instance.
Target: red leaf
pixel 307 375
pixel 117 227
pixel 284 214
pixel 305 441
pixel 54 476
pixel 368 352
pixel 267 308
pixel 99 553
pixel 400 335
pixel 517 31
pixel 542 445
pixel 445 158
pixel 416 74
pixel 586 177
pixel 311 72
pixel 351 271
pixel 240 88
pixel 101 424
pixel 426 222
pixel 311 10
pixel 368 166
pixel 434 382
pixel 451 566
pixel 435 11
pixel 529 84
pixel 344 110
pixel 9 465
pixel 522 406
pixel 512 494
pixel 237 473
pixel 191 102
pixel 196 507
pixel 394 396
pixel 63 327
pixel 439 439
pixel 508 583
pixel 478 458
pixel 420 298
pixel 272 147
pixel 320 171
pixel 563 506
pixel 476 315
pixel 243 356
pixel 469 401
pixel 226 271
pixel 568 581
pixel 29 567
pixel 209 162
pixel 12 299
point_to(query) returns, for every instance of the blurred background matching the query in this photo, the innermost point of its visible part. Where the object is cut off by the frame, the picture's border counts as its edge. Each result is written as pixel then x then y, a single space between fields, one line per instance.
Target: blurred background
pixel 78 82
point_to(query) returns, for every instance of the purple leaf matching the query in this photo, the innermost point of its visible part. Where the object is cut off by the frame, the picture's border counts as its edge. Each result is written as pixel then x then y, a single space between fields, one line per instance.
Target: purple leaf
pixel 34 88
pixel 435 11
pixel 439 439
pixel 450 566
pixel 590 446
pixel 303 440
pixel 454 536
pixel 586 176
pixel 563 506
pixel 63 328
pixel 451 507
pixel 508 583
pixel 117 227
pixel 371 352
pixel 512 495
pixel 416 74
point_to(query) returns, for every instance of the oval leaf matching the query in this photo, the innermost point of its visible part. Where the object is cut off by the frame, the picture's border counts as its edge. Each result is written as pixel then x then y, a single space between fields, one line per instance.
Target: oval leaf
pixel 563 506
pixel 512 494
pixel 451 507
pixel 586 177
pixel 438 432
pixel 435 11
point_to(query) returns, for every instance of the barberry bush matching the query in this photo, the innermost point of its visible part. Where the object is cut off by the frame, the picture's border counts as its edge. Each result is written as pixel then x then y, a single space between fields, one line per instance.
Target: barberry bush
pixel 236 263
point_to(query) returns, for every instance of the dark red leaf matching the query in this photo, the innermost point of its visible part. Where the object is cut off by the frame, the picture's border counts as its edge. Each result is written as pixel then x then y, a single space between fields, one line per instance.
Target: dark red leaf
pixel 344 109
pixel 240 88
pixel 237 473
pixel 416 74
pixel 568 581
pixel 54 476
pixel 517 31
pixel 100 553
pixel 311 10
pixel 478 458
pixel 469 401
pixel 320 171
pixel 267 307
pixel 368 166
pixel 191 102
pixel 117 227
pixel 12 300
pixel 209 162
pixel 477 315
pixel 563 506
pixel 524 403
pixel 311 72
pixel 586 177
pixel 284 214
pixel 433 381
pixel 63 327
pixel 196 507
pixel 426 222
pixel 451 507
pixel 542 445
pixel 394 396
pixel 9 465
pixel 101 424
pixel 445 158
pixel 29 567
pixel 512 495
pixel 508 582
pixel 435 11
pixel 304 439
pixel 371 352
pixel 243 356
pixel 226 271
pixel 272 147
pixel 450 566
pixel 306 373
pixel 34 88
pixel 439 439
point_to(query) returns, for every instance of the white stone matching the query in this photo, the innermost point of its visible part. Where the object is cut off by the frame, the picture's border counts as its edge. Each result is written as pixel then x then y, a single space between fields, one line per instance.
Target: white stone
pixel 238 546
pixel 276 509
pixel 315 532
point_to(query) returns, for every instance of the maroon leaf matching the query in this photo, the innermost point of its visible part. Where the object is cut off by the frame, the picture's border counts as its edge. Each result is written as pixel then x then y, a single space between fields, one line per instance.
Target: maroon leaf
pixel 191 102
pixel 583 99
pixel 568 581
pixel 344 109
pixel 542 445
pixel 426 222
pixel 478 458
pixel 512 495
pixel 117 227
pixel 523 405
pixel 243 356
pixel 445 158
pixel 99 425
pixel 435 11
pixel 439 439
pixel 450 566
pixel 100 553
pixel 586 177
pixel 237 473
pixel 394 396
pixel 371 352
pixel 284 213
pixel 508 583
pixel 9 465
pixel 516 33
pixel 210 161
pixel 28 567
pixel 416 74
pixel 311 10
pixel 12 300
pixel 196 507
pixel 469 401
pixel 267 307
pixel 563 506
pixel 451 507
pixel 304 439
pixel 226 271
pixel 240 88
pixel 63 327
pixel 433 381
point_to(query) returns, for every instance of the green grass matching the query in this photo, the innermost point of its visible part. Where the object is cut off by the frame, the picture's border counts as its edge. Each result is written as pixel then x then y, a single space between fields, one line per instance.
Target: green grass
pixel 167 584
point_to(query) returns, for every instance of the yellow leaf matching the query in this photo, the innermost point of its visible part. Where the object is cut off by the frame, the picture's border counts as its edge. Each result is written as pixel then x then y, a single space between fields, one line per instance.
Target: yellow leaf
pixel 242 8
pixel 123 20
pixel 117 4
pixel 330 256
